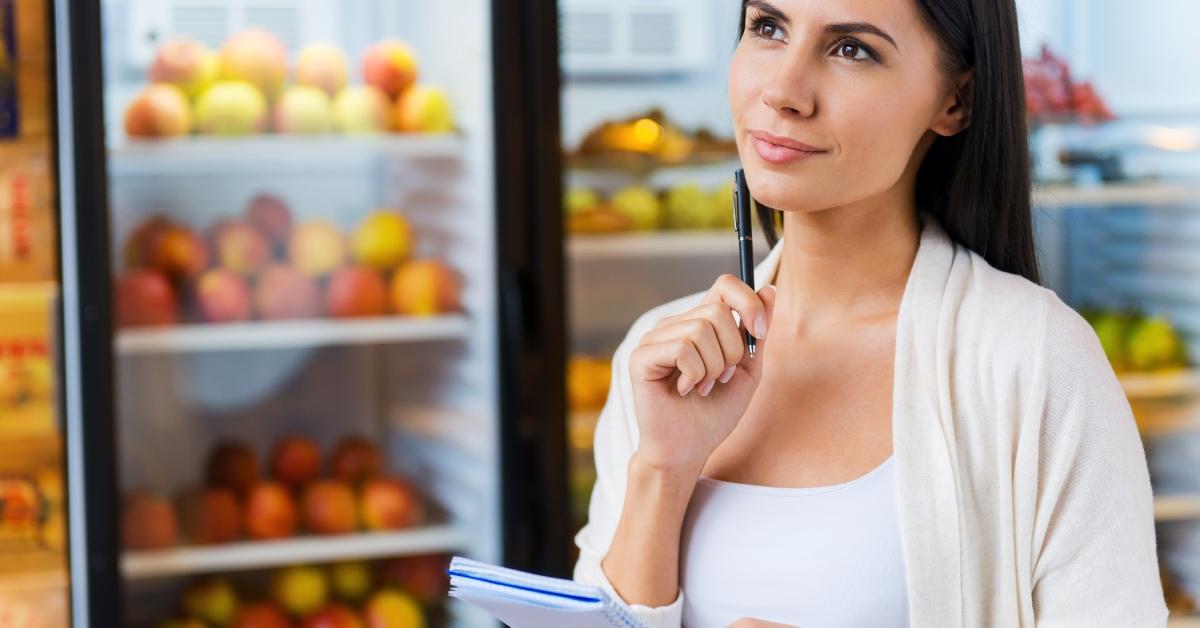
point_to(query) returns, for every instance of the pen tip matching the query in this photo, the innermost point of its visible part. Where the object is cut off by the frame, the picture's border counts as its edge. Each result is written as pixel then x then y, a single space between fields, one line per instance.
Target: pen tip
pixel 752 351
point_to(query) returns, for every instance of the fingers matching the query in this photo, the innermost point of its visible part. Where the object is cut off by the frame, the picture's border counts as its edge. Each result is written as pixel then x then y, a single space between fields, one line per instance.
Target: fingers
pixel 659 360
pixel 712 330
pixel 734 292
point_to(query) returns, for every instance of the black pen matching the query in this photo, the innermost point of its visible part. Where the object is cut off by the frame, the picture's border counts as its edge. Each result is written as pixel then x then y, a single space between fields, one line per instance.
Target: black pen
pixel 741 224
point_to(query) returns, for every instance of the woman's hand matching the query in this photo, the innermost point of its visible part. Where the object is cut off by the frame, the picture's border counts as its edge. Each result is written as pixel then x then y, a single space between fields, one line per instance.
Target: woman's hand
pixel 693 377
pixel 750 622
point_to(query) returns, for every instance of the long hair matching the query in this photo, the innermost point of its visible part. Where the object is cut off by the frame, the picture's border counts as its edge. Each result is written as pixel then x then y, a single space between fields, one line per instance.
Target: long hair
pixel 976 182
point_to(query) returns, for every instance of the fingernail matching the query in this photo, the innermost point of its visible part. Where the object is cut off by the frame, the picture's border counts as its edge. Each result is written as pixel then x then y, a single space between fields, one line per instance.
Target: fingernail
pixel 704 390
pixel 760 327
pixel 727 374
pixel 687 390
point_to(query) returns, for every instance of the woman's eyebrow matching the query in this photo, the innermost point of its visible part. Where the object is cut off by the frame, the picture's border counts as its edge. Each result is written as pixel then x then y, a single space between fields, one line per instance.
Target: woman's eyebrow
pixel 844 28
pixel 769 9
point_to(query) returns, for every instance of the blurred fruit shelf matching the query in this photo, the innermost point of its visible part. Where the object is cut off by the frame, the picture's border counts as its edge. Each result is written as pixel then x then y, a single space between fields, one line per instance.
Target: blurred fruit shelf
pixel 1175 383
pixel 1184 622
pixel 275 152
pixel 247 555
pixel 290 334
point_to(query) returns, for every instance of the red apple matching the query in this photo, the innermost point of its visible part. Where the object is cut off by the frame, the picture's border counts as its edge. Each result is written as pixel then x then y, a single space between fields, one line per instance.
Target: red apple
pixel 222 296
pixel 334 616
pixel 390 65
pixel 323 66
pixel 355 459
pixel 296 461
pixel 234 466
pixel 240 247
pixel 186 63
pixel 137 249
pixel 147 522
pixel 329 508
pixel 210 515
pixel 356 291
pixel 159 110
pixel 271 216
pixel 178 252
pixel 145 297
pixel 423 576
pixel 284 292
pixel 389 503
pixel 270 512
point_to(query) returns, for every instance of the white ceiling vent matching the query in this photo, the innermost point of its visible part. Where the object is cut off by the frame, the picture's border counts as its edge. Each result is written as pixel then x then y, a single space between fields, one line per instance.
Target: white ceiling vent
pixel 633 37
pixel 211 21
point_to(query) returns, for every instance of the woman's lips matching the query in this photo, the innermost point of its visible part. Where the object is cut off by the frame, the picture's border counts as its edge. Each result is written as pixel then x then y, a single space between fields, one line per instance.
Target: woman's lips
pixel 777 153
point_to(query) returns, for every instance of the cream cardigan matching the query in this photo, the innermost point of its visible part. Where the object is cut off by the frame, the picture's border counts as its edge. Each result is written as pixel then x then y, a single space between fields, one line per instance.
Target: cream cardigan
pixel 1024 493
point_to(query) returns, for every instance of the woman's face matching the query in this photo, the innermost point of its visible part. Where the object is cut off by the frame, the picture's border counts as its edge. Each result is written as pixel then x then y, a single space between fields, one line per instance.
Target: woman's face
pixel 853 84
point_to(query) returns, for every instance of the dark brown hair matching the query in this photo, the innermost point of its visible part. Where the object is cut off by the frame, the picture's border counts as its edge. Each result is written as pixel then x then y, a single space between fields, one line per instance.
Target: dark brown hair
pixel 977 182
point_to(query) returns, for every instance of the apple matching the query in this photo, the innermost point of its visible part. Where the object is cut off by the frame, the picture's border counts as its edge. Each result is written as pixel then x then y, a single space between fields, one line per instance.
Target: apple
pixel 423 109
pixel 641 205
pixel 390 503
pixel 303 109
pixel 231 108
pixel 210 515
pixel 390 65
pixel 423 576
pixel 136 251
pixel 232 465
pixel 255 56
pixel 322 66
pixel 424 287
pixel 270 512
pixel 147 522
pixel 185 63
pixel 239 247
pixel 316 248
pixel 159 110
pixel 356 291
pixel 222 296
pixel 362 109
pixel 212 600
pixel 295 461
pixel 383 240
pixel 390 608
pixel 272 217
pixel 355 459
pixel 145 297
pixel 334 616
pixel 261 615
pixel 351 580
pixel 283 292
pixel 329 508
pixel 178 252
pixel 300 589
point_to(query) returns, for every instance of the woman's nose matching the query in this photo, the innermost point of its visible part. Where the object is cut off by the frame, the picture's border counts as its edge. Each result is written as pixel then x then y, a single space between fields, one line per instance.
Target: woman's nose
pixel 789 90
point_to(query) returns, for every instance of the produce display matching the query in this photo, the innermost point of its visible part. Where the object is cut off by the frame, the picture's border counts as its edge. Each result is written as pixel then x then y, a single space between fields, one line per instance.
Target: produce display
pixel 640 208
pixel 648 140
pixel 262 266
pixel 249 86
pixel 1052 94
pixel 588 379
pixel 403 592
pixel 238 501
pixel 1134 341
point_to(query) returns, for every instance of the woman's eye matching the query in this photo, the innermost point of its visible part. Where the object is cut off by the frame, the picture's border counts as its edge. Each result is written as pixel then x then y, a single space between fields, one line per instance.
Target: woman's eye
pixel 854 51
pixel 766 28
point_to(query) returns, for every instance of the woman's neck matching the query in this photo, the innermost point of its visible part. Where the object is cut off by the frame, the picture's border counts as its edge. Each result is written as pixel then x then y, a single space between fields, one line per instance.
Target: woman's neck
pixel 844 264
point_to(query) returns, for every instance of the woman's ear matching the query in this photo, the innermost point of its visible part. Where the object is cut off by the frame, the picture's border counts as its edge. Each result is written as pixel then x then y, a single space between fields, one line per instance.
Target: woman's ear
pixel 956 111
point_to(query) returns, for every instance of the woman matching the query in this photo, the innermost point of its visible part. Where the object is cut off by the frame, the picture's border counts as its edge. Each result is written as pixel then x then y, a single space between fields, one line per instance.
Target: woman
pixel 927 437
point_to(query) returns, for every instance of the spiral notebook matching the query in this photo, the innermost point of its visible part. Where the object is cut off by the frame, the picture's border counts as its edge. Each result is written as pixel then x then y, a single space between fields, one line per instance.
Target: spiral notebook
pixel 525 600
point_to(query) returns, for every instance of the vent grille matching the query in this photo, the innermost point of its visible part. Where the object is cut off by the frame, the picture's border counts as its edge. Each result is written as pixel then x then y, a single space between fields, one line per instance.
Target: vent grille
pixel 653 33
pixel 634 37
pixel 207 22
pixel 588 33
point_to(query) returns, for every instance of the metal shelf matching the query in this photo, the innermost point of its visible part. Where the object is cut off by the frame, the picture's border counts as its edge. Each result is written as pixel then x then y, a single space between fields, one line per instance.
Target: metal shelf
pixel 289 334
pixel 275 153
pixel 249 555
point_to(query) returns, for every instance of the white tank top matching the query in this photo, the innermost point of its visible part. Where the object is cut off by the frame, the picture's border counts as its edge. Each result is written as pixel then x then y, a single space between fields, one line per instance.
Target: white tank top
pixel 819 557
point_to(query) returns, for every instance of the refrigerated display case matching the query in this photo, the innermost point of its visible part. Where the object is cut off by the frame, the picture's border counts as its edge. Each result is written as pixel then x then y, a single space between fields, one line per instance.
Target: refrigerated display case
pixel 312 295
